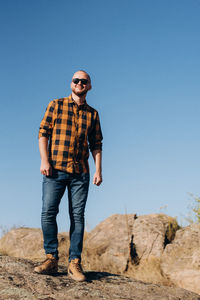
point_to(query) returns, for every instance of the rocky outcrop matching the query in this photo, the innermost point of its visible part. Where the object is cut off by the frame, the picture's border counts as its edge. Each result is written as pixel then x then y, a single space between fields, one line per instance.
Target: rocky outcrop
pixel 28 243
pixel 180 261
pixel 149 248
pixel 109 242
pixel 151 234
pixel 116 242
pixel 23 242
pixel 18 281
pixel 122 240
pixel 121 243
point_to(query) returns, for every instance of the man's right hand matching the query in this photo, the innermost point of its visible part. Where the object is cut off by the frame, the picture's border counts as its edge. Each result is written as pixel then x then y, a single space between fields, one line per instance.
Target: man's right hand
pixel 45 168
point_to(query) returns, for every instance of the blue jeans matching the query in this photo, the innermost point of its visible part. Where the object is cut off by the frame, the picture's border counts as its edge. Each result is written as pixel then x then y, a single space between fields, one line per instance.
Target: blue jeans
pixel 53 189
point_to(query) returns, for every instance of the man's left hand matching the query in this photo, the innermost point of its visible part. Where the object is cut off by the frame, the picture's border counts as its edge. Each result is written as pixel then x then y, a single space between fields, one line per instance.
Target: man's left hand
pixel 97 179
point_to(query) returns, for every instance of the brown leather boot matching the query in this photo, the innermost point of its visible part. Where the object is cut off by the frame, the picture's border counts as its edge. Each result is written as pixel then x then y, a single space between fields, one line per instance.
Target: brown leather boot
pixel 49 266
pixel 75 270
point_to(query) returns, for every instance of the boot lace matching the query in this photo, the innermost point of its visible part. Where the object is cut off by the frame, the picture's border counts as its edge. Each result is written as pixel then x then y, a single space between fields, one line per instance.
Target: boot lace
pixel 78 266
pixel 47 260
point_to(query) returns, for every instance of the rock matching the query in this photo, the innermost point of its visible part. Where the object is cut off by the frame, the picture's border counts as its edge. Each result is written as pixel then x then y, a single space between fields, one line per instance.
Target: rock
pixel 109 243
pixel 23 242
pixel 121 240
pixel 28 243
pixel 151 233
pixel 180 261
pixel 18 281
pixel 115 242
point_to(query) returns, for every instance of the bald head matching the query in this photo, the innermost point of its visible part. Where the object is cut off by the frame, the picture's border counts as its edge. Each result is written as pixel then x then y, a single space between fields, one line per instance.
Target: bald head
pixel 81 72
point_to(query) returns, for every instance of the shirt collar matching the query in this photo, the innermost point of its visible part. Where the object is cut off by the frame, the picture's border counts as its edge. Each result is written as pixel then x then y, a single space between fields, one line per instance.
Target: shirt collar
pixel 84 105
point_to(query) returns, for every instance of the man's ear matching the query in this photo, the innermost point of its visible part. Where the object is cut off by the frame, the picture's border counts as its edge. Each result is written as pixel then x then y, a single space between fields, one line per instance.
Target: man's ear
pixel 90 87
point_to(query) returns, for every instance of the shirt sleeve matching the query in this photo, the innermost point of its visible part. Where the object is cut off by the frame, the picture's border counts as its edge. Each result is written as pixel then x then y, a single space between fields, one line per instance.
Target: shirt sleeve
pixel 95 137
pixel 46 124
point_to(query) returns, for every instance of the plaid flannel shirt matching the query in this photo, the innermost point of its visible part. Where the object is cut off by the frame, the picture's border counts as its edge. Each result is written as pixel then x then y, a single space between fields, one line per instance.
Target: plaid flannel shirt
pixel 70 128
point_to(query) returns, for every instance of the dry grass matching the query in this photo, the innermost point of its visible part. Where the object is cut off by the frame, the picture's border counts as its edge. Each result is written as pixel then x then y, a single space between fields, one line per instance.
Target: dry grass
pixel 3 253
pixel 148 270
pixel 63 240
pixel 171 228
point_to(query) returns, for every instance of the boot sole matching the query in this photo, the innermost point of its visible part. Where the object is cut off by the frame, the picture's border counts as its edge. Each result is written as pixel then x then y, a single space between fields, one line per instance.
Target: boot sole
pixel 75 278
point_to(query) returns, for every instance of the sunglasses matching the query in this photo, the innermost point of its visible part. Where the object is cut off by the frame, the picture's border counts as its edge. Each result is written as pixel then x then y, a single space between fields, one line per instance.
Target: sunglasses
pixel 83 81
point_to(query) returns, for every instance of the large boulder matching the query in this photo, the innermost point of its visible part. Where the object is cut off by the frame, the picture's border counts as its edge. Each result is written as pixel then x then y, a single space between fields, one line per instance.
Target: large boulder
pixel 180 261
pixel 28 243
pixel 151 234
pixel 107 246
pixel 122 240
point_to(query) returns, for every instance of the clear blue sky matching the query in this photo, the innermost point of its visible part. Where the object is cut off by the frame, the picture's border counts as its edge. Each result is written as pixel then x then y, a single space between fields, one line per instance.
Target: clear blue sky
pixel 143 58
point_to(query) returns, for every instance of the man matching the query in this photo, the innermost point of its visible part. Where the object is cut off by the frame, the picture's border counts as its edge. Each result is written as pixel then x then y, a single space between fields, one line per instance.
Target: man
pixel 69 126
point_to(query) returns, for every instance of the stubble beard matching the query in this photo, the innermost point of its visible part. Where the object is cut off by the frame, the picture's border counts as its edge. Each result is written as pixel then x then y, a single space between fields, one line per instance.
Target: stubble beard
pixel 81 93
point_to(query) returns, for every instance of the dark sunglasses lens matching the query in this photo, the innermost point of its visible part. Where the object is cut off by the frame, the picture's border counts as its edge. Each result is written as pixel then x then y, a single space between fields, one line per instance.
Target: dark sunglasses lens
pixel 75 80
pixel 84 81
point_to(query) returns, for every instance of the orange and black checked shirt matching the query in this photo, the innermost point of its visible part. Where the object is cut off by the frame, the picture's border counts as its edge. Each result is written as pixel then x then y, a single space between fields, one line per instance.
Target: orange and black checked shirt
pixel 70 128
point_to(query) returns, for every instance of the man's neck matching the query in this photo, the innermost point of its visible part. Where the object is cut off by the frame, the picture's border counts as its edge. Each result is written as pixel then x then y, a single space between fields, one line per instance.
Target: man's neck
pixel 78 99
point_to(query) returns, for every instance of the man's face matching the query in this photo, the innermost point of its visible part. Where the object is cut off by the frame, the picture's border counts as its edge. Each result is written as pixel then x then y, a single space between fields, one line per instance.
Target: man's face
pixel 80 88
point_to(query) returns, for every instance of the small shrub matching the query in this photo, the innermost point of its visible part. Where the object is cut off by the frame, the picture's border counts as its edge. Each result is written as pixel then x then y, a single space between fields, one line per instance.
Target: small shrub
pixel 193 215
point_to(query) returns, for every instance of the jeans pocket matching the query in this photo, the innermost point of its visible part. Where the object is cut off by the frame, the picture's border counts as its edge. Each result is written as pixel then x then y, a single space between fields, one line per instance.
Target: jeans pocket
pixel 52 176
pixel 86 177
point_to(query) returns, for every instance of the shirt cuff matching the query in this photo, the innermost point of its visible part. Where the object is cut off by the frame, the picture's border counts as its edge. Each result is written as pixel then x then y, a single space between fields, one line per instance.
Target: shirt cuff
pixel 45 134
pixel 97 146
